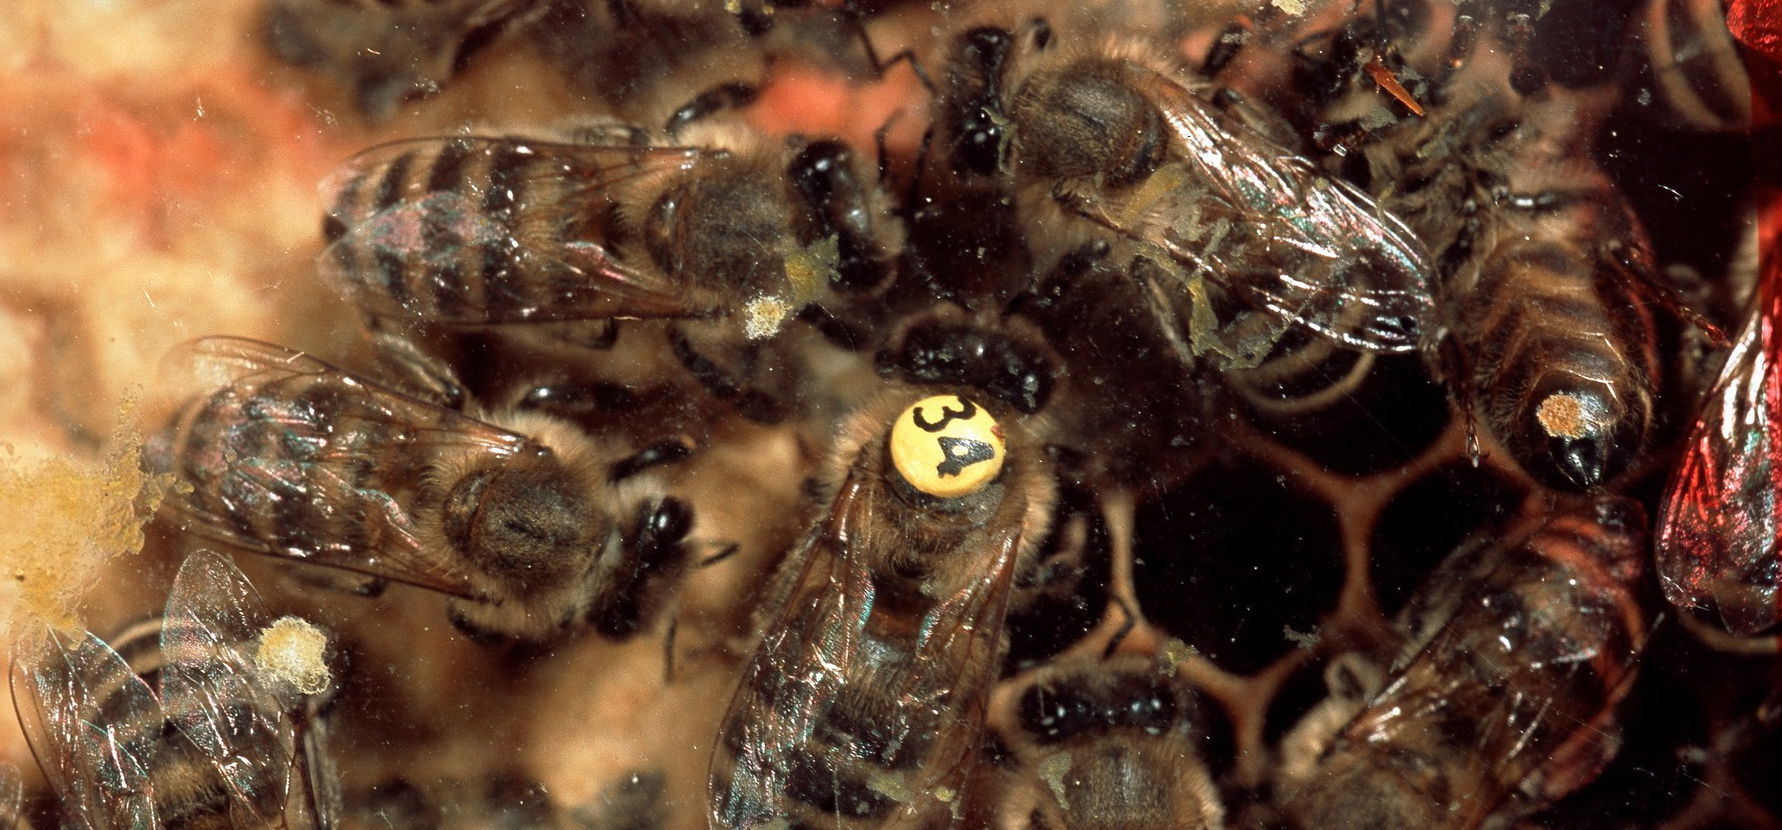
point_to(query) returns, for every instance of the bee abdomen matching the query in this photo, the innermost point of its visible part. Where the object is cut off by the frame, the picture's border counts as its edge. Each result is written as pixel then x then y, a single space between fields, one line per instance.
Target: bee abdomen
pixel 449 228
pixel 1566 364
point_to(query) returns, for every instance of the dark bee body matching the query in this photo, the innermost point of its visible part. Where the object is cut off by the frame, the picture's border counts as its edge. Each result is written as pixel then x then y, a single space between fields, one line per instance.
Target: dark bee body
pixel 1107 745
pixel 1231 237
pixel 1539 260
pixel 387 52
pixel 1504 698
pixel 466 233
pixel 294 458
pixel 868 690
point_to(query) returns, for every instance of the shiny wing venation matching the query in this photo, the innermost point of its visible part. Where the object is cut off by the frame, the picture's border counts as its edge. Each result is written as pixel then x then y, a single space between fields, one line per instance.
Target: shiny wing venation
pixel 292 457
pixel 1270 227
pixel 1722 516
pixel 94 727
pixel 844 696
pixel 479 231
pixel 209 688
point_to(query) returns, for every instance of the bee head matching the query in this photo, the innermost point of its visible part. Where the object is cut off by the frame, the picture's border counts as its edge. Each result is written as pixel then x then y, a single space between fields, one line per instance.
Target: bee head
pixel 1020 371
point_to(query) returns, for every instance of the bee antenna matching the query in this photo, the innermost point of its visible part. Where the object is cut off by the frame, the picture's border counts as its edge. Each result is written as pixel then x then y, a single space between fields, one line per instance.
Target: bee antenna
pixel 882 65
pixel 654 455
pixel 1125 628
pixel 724 553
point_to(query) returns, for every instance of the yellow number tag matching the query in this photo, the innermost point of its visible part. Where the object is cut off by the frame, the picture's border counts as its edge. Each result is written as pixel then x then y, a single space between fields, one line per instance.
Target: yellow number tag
pixel 947 446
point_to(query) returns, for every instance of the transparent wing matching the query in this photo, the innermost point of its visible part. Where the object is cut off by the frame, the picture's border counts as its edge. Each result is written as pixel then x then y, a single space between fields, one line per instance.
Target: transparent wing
pixel 210 689
pixel 833 659
pixel 1247 214
pixel 1522 678
pixel 1722 516
pixel 478 231
pixel 94 727
pixel 292 457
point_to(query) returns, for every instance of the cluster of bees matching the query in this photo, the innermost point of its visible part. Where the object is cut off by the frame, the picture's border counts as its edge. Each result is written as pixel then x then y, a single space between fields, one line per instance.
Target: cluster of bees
pixel 1000 360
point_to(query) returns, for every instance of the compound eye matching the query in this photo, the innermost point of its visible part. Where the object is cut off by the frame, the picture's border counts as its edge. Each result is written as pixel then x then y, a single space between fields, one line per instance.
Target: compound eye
pixel 947 446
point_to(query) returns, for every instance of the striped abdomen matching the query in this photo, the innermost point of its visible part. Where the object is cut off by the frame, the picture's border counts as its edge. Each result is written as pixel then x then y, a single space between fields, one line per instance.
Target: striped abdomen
pixel 1561 348
pixel 855 755
pixel 467 230
pixel 303 466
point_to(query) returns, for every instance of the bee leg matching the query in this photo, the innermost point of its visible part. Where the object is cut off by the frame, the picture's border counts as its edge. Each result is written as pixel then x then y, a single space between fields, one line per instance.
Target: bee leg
pixel 754 404
pixel 882 65
pixel 1625 267
pixel 1231 41
pixel 1129 622
pixel 730 95
pixel 1455 372
pixel 654 455
pixel 1526 76
pixel 579 402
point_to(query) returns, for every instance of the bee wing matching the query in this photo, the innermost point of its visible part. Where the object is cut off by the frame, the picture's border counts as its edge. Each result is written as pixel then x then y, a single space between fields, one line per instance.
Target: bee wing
pixel 210 689
pixel 820 651
pixel 1523 676
pixel 1278 233
pixel 478 231
pixel 1718 527
pixel 290 456
pixel 94 727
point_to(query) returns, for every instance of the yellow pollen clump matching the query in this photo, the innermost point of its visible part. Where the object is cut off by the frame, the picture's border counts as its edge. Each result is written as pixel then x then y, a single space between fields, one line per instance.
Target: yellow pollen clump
pixel 65 517
pixel 292 654
pixel 1564 416
pixel 763 316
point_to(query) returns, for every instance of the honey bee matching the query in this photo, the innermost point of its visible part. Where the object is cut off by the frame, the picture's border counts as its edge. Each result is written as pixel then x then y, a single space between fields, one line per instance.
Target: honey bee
pixel 99 735
pixel 866 696
pixel 291 457
pixel 217 747
pixel 1716 531
pixel 388 52
pixel 1504 697
pixel 1110 142
pixel 728 230
pixel 1543 274
pixel 1108 744
pixel 240 684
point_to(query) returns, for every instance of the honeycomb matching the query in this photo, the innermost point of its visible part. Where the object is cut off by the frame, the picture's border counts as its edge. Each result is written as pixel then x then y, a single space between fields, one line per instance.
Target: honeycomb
pixel 161 161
